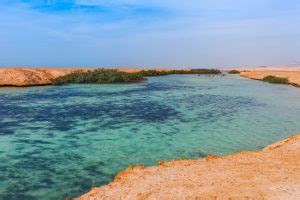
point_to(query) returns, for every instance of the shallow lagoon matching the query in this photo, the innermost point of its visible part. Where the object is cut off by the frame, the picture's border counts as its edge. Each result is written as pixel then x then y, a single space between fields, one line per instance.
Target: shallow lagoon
pixel 60 141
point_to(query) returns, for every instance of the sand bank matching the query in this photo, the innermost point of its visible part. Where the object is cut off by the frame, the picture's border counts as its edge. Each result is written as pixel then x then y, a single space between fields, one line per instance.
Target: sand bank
pixel 271 173
pixel 293 74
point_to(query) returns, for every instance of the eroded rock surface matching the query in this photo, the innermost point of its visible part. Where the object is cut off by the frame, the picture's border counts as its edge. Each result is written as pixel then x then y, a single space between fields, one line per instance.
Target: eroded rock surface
pixel 271 173
pixel 30 76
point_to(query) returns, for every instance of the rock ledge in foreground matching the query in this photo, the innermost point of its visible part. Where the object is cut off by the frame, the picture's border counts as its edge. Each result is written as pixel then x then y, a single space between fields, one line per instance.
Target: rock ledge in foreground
pixel 271 173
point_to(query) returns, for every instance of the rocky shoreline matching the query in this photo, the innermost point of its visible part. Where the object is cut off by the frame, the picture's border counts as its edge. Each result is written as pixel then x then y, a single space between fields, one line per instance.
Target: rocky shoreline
pixel 271 173
pixel 23 77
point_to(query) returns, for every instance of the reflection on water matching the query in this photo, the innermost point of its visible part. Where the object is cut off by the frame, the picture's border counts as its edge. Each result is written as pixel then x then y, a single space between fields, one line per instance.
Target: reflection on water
pixel 4 89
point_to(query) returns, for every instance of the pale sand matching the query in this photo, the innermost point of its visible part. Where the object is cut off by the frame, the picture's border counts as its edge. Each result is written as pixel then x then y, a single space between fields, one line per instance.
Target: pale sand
pixel 30 76
pixel 293 74
pixel 271 173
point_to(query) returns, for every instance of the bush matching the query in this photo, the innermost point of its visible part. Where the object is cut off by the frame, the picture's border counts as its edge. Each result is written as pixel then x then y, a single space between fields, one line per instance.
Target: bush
pixel 276 80
pixel 205 71
pixel 149 73
pixel 234 72
pixel 152 73
pixel 196 71
pixel 100 76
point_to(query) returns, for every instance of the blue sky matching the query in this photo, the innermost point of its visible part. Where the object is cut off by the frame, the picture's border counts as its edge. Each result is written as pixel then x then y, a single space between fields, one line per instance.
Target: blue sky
pixel 149 33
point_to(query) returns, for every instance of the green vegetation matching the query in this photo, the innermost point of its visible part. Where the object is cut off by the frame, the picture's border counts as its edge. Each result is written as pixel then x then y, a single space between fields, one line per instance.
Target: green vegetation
pixel 276 80
pixel 151 73
pixel 195 71
pixel 234 72
pixel 100 76
pixel 204 71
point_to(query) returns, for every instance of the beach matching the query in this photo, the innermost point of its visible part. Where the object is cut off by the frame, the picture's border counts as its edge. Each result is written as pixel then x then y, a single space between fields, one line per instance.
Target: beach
pixel 292 74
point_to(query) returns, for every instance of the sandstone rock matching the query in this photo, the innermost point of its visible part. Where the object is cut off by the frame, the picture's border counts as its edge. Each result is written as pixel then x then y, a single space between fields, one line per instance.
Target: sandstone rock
pixel 30 76
pixel 271 173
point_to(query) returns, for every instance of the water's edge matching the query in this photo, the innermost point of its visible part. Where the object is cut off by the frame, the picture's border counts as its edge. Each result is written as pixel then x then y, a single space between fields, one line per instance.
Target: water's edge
pixel 268 160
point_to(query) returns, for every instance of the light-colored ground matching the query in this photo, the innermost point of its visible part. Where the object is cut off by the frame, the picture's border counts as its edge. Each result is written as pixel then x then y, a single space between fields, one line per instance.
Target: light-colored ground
pixel 30 76
pixel 293 74
pixel 272 173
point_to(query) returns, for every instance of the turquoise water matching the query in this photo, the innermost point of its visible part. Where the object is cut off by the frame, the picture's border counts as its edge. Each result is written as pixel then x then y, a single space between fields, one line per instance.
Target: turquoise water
pixel 61 141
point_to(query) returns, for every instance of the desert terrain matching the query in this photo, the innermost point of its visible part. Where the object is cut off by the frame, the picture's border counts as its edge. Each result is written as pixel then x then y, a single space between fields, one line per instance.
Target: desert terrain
pixel 293 74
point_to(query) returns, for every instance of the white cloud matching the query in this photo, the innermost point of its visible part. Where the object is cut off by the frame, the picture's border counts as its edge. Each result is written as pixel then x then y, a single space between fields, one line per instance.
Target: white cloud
pixel 197 33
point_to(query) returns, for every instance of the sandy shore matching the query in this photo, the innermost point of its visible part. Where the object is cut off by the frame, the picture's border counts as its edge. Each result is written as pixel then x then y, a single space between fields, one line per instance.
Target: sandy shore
pixel 293 74
pixel 271 173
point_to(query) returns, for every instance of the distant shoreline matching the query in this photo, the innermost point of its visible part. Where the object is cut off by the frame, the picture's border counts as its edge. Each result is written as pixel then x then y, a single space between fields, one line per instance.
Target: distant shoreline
pixel 26 77
pixel 29 76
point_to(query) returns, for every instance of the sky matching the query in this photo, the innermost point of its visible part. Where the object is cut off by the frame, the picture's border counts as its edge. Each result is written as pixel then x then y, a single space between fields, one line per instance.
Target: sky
pixel 149 33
